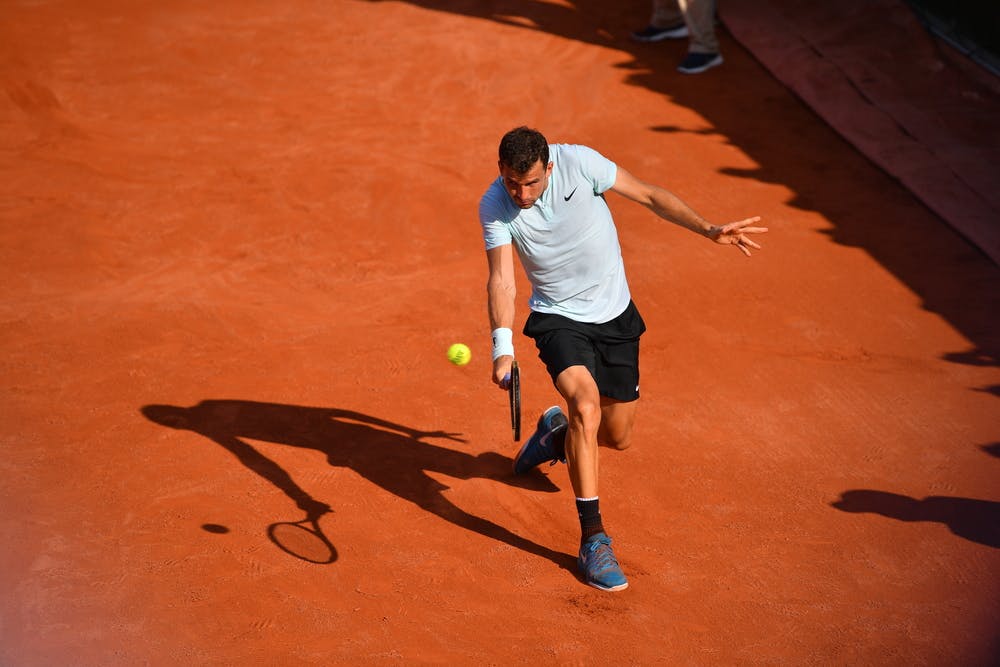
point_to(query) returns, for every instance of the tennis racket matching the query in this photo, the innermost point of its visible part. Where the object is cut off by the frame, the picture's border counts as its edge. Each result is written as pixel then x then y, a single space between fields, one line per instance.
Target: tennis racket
pixel 514 392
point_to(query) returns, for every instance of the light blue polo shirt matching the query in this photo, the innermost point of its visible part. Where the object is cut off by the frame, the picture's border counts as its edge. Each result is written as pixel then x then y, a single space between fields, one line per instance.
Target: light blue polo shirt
pixel 567 241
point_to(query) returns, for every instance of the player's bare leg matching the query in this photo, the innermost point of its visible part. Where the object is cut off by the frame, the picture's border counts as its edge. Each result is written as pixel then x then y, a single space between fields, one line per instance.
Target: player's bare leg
pixel 617 419
pixel 596 561
pixel 583 407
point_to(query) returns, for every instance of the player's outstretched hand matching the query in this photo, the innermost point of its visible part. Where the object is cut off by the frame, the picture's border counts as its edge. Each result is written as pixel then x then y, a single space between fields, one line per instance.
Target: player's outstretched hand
pixel 735 233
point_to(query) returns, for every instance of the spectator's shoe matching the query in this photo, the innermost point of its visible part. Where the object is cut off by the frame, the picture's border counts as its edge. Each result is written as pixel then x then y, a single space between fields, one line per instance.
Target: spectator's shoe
pixel 695 63
pixel 653 34
pixel 598 565
pixel 546 444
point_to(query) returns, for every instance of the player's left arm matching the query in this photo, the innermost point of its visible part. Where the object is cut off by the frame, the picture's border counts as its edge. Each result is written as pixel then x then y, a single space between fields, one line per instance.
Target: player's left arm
pixel 670 207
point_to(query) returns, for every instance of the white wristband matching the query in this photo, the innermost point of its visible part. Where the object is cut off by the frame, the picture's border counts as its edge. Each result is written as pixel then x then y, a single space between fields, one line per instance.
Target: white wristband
pixel 503 343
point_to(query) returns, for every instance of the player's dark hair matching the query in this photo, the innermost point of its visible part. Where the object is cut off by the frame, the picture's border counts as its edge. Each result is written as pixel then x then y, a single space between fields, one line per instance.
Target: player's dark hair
pixel 522 147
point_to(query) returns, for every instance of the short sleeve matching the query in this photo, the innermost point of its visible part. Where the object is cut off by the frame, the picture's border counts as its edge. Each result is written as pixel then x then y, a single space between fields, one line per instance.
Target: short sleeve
pixel 492 214
pixel 599 170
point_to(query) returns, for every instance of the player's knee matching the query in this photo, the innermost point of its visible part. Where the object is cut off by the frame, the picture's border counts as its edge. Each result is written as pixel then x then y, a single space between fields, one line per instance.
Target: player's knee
pixel 619 441
pixel 622 443
pixel 616 436
pixel 587 414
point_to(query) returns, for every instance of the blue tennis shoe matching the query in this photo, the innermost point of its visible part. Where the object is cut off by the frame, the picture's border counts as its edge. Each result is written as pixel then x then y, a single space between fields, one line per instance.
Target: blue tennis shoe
pixel 598 564
pixel 547 443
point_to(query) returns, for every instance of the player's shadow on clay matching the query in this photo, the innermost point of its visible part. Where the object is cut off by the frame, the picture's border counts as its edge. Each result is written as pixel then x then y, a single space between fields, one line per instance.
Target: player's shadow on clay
pixel 975 520
pixel 393 456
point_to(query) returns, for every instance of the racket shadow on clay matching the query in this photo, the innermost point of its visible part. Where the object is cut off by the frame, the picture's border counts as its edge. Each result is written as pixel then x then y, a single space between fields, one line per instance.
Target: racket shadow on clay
pixel 304 539
pixel 395 457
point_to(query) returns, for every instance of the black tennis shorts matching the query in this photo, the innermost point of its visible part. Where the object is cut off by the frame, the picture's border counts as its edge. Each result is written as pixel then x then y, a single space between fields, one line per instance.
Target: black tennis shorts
pixel 610 351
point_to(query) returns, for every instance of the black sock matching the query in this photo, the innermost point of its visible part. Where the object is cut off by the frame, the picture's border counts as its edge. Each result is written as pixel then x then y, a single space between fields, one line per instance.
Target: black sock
pixel 589 511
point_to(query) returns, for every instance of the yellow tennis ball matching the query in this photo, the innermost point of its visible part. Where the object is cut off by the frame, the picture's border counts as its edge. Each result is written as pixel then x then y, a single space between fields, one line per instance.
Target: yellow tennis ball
pixel 459 354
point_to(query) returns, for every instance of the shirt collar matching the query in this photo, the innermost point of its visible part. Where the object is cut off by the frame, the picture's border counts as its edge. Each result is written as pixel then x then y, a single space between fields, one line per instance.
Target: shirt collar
pixel 544 203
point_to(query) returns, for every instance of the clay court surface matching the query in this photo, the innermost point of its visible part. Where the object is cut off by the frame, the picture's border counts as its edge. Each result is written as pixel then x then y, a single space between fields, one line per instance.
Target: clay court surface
pixel 236 239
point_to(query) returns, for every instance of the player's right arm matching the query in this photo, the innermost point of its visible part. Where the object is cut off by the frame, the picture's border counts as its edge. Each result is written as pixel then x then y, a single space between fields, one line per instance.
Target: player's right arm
pixel 500 294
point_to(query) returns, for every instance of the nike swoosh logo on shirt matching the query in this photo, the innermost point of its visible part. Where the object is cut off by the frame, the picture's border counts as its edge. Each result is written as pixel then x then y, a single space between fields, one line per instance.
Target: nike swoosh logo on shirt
pixel 567 197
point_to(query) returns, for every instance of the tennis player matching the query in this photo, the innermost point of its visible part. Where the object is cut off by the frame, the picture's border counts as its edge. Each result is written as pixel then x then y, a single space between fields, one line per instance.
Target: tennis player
pixel 548 204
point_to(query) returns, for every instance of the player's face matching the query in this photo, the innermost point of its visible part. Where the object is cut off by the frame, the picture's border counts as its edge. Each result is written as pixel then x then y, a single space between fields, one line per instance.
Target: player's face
pixel 526 188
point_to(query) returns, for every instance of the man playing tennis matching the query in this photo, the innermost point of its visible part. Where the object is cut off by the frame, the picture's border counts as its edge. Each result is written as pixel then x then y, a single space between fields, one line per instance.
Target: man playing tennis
pixel 548 204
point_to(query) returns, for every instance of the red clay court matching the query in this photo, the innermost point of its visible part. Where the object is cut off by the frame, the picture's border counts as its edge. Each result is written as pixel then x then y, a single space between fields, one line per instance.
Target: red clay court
pixel 237 239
